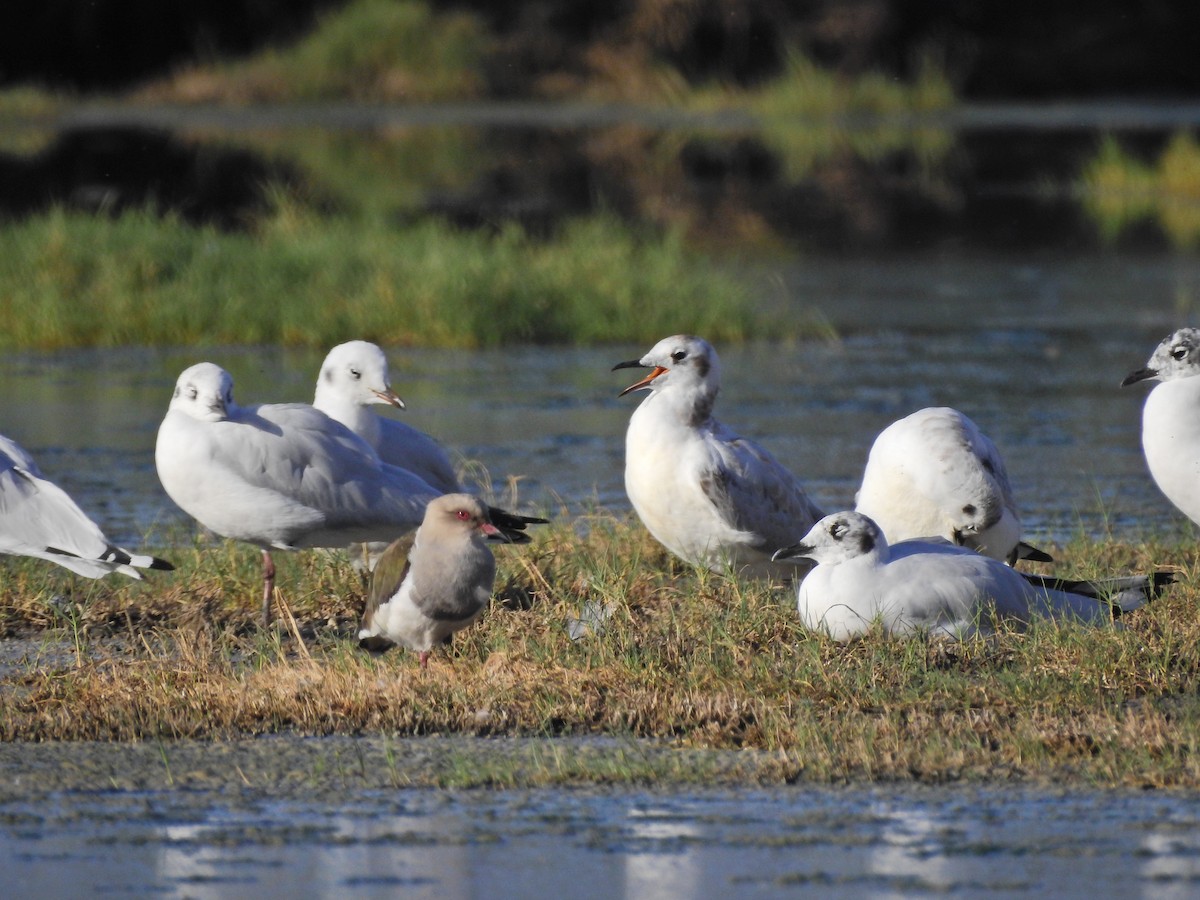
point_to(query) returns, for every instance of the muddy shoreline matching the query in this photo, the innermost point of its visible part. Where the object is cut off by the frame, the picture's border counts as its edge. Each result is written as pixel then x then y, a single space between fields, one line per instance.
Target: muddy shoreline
pixel 325 769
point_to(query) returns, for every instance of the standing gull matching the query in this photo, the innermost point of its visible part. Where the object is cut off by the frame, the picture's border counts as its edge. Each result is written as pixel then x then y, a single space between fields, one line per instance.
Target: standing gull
pixel 353 379
pixel 280 476
pixel 915 587
pixel 1171 419
pixel 709 496
pixel 284 476
pixel 935 474
pixel 39 519
pixel 424 590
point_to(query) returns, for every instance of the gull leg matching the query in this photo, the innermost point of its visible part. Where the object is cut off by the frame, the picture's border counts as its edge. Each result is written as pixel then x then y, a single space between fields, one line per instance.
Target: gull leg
pixel 268 587
pixel 424 659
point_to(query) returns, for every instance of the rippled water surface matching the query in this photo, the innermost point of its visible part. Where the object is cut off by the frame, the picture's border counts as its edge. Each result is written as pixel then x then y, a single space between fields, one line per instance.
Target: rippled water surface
pixel 860 842
pixel 1032 350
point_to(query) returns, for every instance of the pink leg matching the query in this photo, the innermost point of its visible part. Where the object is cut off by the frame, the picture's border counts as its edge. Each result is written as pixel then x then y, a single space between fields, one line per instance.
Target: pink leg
pixel 424 659
pixel 268 587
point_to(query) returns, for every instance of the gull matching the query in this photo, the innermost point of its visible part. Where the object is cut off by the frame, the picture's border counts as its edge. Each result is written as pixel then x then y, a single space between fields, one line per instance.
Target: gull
pixel 39 519
pixel 1171 419
pixel 353 379
pixel 425 589
pixel 919 587
pixel 709 496
pixel 935 474
pixel 283 476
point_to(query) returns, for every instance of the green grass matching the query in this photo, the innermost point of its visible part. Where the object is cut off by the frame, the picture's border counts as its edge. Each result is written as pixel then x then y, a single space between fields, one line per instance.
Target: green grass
pixel 301 280
pixel 368 50
pixel 687 659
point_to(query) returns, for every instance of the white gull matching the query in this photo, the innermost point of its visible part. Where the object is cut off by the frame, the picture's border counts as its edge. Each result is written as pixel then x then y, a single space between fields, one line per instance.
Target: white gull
pixel 353 380
pixel 39 519
pixel 279 476
pixel 1171 419
pixel 709 496
pixel 918 587
pixel 935 474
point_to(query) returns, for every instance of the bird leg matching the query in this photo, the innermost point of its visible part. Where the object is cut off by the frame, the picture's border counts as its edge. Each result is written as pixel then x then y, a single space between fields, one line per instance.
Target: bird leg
pixel 268 587
pixel 424 657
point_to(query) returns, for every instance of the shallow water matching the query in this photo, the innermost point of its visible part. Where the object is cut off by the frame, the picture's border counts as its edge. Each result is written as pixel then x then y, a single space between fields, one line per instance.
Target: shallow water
pixel 831 842
pixel 1033 351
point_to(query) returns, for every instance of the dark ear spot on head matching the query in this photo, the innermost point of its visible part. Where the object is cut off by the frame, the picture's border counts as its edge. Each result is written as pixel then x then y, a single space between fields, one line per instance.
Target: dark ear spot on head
pixel 327 374
pixel 866 541
pixel 969 509
pixel 702 366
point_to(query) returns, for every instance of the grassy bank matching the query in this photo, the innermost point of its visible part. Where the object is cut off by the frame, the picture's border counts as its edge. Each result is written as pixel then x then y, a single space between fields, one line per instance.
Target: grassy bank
pixel 695 660
pixel 299 280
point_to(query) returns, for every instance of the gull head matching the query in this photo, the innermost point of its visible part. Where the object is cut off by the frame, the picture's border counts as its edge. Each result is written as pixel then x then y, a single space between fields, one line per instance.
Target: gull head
pixel 461 516
pixel 357 373
pixel 682 362
pixel 836 538
pixel 205 392
pixel 1178 356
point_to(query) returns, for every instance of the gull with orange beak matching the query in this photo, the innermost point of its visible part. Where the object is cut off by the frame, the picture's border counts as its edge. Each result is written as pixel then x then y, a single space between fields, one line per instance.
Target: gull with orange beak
pixel 709 496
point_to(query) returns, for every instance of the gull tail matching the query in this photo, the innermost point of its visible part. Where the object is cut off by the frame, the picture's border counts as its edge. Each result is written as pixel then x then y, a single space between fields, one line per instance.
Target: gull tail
pixel 113 559
pixel 1124 593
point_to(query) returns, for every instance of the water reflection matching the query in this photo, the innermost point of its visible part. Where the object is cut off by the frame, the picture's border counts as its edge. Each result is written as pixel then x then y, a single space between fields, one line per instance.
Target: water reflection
pixel 843 842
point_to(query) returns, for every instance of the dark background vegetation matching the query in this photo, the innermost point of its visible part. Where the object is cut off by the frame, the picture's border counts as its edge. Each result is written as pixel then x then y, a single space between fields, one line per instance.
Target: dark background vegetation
pixel 1021 49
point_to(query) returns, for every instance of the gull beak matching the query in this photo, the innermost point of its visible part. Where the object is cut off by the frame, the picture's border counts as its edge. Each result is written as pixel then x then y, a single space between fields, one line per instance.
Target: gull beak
pixel 1139 375
pixel 645 382
pixel 793 553
pixel 388 396
pixel 492 533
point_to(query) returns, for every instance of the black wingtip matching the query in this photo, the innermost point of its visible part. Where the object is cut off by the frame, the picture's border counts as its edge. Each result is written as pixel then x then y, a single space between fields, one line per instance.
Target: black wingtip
pixel 1032 554
pixel 161 564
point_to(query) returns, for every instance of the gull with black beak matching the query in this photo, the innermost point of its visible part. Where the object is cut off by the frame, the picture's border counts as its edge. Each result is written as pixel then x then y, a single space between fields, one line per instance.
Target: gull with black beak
pixel 709 496
pixel 1171 419
pixel 353 380
pixel 426 588
pixel 39 519
pixel 923 587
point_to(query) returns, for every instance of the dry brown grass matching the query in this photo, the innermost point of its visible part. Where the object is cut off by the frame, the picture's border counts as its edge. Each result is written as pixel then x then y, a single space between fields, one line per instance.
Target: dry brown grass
pixel 694 659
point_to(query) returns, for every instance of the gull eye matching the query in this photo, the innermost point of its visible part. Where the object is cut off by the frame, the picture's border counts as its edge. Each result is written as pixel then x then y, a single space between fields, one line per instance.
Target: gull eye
pixel 679 355
pixel 1179 351
pixel 355 374
pixel 839 529
pixel 192 393
pixel 463 515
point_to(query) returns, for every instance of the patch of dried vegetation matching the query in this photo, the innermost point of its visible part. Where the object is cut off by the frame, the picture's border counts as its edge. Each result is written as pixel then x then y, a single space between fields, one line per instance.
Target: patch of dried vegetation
pixel 686 657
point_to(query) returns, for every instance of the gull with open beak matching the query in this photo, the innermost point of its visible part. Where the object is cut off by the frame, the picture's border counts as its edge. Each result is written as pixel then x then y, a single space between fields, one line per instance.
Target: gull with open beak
pixel 426 588
pixel 711 497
